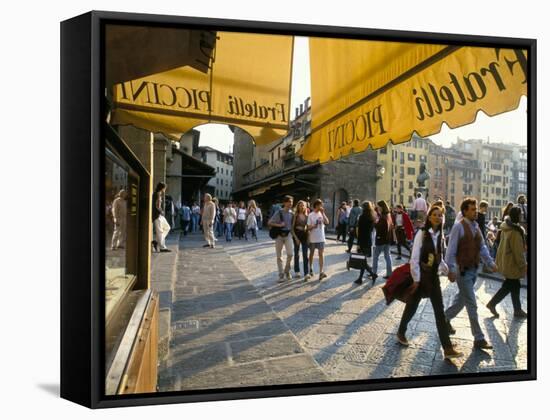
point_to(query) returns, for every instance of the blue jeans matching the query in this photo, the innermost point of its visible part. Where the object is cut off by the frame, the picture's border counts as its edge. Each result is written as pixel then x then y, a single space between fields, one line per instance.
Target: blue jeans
pixel 466 296
pixel 304 246
pixel 228 231
pixel 219 228
pixel 194 222
pixel 378 249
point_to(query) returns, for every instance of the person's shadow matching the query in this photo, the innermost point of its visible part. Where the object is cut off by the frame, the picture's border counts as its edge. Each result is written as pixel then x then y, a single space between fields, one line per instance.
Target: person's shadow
pixel 52 389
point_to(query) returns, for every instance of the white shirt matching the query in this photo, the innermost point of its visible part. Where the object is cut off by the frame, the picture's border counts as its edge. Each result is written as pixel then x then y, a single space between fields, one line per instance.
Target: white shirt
pixel 420 204
pixel 229 215
pixel 399 219
pixel 317 234
pixel 241 214
pixel 258 212
pixel 415 255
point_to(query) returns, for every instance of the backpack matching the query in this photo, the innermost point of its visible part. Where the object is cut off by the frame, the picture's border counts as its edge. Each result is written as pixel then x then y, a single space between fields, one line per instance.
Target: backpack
pixel 275 231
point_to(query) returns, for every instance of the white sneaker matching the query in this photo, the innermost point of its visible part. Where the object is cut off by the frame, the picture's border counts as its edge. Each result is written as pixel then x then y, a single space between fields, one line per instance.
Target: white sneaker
pixel 281 278
pixel 287 276
pixel 307 277
pixel 297 275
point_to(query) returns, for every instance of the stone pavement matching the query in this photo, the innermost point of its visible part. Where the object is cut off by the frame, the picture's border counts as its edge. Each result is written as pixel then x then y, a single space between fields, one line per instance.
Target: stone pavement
pixel 231 323
pixel 223 333
pixel 350 331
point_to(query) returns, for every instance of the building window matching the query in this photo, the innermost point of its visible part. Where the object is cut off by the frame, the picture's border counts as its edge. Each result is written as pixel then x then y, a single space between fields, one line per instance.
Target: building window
pixel 411 171
pixel 423 158
pixel 411 157
pixel 411 186
pixel 384 151
pixel 410 199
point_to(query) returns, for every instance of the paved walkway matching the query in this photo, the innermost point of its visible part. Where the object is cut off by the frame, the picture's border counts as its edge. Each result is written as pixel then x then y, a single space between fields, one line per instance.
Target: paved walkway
pixel 223 333
pixel 350 331
pixel 232 324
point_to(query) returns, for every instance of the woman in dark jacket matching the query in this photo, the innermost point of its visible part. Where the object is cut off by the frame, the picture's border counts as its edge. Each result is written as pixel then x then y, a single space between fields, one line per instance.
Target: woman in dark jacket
pixel 384 237
pixel 426 262
pixel 365 225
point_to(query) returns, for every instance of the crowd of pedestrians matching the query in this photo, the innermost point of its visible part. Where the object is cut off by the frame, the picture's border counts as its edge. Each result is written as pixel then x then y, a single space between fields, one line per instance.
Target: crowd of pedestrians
pixel 436 238
pixel 439 241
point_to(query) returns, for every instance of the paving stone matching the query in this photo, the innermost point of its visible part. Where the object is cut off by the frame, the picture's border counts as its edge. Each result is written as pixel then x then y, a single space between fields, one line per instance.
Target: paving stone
pixel 395 356
pixel 254 349
pixel 339 331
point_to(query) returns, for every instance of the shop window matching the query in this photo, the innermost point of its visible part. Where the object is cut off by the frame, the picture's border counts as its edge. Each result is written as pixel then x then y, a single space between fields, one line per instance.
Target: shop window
pixel 121 242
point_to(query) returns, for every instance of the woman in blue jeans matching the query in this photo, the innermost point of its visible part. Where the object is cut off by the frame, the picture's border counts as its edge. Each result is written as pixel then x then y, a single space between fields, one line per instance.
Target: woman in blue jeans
pixel 384 237
pixel 299 234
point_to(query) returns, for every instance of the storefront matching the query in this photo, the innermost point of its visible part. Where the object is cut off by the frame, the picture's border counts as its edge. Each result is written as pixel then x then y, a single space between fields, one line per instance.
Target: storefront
pixel 131 307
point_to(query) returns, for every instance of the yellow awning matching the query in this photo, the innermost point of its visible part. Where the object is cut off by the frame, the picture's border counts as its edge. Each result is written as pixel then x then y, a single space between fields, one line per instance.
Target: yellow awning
pixel 367 93
pixel 248 86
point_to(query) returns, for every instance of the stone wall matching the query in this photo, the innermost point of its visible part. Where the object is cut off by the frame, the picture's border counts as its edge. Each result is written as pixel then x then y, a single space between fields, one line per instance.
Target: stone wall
pixel 352 177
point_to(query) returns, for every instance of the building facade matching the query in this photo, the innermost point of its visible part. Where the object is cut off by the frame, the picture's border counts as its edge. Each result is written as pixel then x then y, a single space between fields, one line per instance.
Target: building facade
pixel 396 183
pixel 221 185
pixel 267 173
pixel 496 162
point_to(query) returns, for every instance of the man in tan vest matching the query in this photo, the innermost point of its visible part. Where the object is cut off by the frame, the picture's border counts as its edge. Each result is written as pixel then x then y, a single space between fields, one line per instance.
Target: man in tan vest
pixel 207 221
pixel 466 248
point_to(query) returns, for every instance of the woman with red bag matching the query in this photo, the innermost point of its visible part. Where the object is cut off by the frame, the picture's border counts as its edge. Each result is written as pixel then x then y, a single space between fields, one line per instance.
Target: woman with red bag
pixel 426 261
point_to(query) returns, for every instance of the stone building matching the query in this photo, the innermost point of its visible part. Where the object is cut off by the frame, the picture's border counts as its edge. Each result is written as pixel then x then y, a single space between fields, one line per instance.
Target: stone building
pixel 221 184
pixel 267 173
pixel 495 161
pixel 396 184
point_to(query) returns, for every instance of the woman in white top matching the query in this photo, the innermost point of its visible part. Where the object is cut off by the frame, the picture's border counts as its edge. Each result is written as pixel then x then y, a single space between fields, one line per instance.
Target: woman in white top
pixel 259 218
pixel 426 263
pixel 251 223
pixel 229 218
pixel 241 221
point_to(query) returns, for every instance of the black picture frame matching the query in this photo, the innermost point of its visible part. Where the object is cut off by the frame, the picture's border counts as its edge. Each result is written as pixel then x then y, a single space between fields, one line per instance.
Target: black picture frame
pixel 82 134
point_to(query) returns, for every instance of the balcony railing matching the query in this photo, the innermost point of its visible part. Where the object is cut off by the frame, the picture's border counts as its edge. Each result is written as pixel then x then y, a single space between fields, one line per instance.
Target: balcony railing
pixel 280 166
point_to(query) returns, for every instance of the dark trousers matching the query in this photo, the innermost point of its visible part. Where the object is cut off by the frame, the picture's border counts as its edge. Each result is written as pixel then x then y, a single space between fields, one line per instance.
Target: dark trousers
pixel 342 231
pixel 297 245
pixel 437 304
pixel 511 286
pixel 241 229
pixel 401 240
pixel 351 238
pixel 367 268
pixel 185 226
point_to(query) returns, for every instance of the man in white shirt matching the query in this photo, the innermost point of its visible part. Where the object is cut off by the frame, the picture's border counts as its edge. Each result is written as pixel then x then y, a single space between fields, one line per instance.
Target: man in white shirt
pixel 420 208
pixel 207 222
pixel 283 219
pixel 316 222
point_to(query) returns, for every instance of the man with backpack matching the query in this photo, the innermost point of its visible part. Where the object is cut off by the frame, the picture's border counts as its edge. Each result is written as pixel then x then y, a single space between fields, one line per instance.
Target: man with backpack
pixel 281 225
